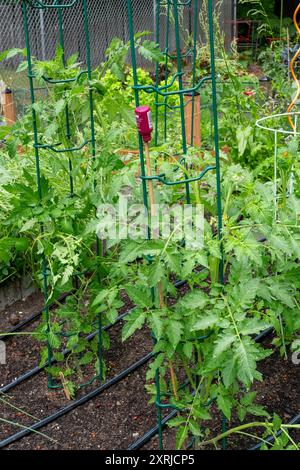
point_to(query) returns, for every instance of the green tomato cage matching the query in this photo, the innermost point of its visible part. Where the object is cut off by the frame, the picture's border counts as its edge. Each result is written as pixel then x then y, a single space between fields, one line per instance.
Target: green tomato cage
pixel 169 100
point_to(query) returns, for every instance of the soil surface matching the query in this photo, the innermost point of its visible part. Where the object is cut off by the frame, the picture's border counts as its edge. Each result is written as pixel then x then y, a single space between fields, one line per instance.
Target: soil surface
pixel 122 413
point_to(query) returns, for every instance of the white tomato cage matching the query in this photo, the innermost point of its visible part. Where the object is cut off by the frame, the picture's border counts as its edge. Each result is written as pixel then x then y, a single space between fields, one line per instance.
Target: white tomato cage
pixel 263 124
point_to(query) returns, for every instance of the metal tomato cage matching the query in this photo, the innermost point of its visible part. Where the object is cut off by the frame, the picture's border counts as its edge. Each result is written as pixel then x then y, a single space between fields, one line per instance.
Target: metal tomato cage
pixel 173 7
pixel 66 147
pixel 61 8
pixel 186 93
pixel 271 124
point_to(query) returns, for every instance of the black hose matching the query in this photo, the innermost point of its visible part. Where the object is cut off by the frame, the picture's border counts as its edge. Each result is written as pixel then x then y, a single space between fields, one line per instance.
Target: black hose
pixel 75 404
pixel 80 401
pixel 139 443
pixel 151 433
pixel 32 318
pixel 36 370
pixel 270 439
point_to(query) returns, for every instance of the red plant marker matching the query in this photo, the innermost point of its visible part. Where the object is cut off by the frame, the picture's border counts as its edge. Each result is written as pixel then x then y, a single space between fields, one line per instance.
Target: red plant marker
pixel 144 122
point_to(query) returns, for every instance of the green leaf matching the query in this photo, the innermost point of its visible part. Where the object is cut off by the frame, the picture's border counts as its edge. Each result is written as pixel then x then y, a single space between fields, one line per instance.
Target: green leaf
pixel 134 321
pixel 173 261
pixel 112 315
pixel 257 410
pixel 156 364
pixel 252 326
pixel 181 436
pixel 22 66
pixel 174 332
pixel 246 356
pixel 277 422
pixel 243 134
pixel 11 53
pixel 223 342
pixel 29 224
pixel 150 51
pixel 245 293
pixel 157 324
pixel 229 371
pixel 139 295
pixel 188 349
pixel 208 320
pixel 60 106
pixel 196 299
pixel 225 405
pixel 86 359
pixel 100 297
pixel 156 274
pixel 53 339
pixel 202 413
pixel 44 357
pixel 194 428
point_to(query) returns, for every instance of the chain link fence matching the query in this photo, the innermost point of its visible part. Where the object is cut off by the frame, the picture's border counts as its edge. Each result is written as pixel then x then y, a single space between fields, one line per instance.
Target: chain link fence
pixel 107 19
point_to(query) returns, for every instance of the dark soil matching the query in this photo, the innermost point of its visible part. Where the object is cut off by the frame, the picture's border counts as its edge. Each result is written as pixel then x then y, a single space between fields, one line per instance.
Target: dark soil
pixel 121 414
pixel 20 310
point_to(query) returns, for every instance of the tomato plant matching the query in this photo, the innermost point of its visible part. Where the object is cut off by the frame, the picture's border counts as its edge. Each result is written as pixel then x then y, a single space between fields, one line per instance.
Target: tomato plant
pixel 205 348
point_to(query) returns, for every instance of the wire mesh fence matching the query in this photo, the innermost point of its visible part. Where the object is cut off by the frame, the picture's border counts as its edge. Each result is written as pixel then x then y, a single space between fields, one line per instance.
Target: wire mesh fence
pixel 107 19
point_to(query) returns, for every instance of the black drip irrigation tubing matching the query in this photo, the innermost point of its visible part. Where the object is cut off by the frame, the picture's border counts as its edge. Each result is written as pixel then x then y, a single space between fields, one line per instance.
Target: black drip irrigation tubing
pixel 27 375
pixel 139 443
pixel 36 370
pixel 75 404
pixel 63 411
pixel 143 440
pixel 32 318
pixel 270 439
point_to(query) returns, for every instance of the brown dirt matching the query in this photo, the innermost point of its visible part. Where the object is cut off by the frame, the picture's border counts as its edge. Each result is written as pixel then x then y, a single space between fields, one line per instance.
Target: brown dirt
pixel 121 414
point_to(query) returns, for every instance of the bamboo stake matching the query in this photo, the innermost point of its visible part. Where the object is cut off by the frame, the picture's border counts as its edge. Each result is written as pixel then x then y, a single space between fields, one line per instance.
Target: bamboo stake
pixel 65 385
pixel 159 286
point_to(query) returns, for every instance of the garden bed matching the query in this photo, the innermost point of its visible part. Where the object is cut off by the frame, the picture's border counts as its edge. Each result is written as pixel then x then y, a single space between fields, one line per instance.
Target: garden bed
pixel 122 414
pixel 11 292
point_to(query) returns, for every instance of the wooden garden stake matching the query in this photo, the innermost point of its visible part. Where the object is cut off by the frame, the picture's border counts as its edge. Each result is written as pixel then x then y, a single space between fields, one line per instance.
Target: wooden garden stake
pixel 65 386
pixel 8 105
pixel 144 123
pixel 193 120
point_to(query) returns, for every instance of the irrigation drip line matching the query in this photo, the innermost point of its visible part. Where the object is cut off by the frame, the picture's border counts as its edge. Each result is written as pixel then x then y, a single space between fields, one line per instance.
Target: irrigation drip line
pixel 75 404
pixel 143 440
pixel 139 443
pixel 270 439
pixel 36 370
pixel 20 326
pixel 32 318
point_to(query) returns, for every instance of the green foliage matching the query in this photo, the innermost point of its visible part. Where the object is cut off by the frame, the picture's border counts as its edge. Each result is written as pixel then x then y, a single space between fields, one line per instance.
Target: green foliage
pixel 204 337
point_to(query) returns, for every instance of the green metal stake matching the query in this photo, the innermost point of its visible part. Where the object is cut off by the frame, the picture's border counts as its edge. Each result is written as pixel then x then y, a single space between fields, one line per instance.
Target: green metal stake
pixel 180 83
pixel 157 39
pixel 144 184
pixel 218 167
pixel 38 177
pixel 68 127
pixel 137 100
pixel 93 148
pixel 216 135
pixel 194 67
pixel 167 71
pixel 158 90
